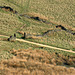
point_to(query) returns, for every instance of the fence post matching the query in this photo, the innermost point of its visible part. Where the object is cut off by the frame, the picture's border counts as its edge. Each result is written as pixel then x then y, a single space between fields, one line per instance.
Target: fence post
pixel 24 35
pixel 15 35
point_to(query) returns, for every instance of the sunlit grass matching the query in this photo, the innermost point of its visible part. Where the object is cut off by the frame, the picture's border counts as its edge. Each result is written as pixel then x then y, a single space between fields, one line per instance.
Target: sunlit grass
pixel 56 11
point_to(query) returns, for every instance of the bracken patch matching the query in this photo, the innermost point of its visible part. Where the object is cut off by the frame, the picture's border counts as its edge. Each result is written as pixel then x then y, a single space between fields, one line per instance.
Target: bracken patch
pixel 34 62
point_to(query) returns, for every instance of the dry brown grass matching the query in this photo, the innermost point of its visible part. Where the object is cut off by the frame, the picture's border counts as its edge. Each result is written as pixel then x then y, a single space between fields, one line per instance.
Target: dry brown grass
pixel 21 32
pixel 3 39
pixel 33 62
pixel 8 10
pixel 33 14
pixel 56 9
pixel 34 37
pixel 73 29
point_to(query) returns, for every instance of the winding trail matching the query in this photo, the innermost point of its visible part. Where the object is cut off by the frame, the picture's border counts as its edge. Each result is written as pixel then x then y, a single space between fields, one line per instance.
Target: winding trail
pixel 21 40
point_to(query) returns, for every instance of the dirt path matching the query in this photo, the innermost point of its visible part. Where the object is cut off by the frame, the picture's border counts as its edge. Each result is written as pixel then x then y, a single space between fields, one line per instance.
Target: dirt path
pixel 4 35
pixel 42 45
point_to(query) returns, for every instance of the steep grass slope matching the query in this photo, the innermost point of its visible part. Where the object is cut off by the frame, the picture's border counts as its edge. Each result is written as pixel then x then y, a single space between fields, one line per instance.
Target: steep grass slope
pixel 36 17
pixel 55 11
pixel 61 11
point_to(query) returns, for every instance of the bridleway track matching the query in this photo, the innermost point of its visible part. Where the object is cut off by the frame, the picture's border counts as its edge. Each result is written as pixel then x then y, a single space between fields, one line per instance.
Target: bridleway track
pixel 21 40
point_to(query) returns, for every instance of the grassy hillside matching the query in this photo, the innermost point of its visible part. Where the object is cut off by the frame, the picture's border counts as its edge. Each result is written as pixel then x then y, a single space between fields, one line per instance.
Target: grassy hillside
pixel 49 22
pixel 60 11
pixel 54 11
